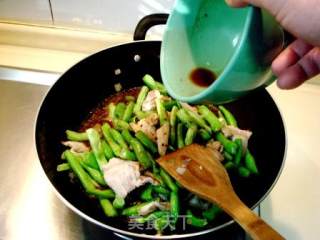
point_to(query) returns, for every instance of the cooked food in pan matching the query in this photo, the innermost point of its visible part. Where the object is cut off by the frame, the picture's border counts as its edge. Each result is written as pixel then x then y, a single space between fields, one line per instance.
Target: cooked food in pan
pixel 112 155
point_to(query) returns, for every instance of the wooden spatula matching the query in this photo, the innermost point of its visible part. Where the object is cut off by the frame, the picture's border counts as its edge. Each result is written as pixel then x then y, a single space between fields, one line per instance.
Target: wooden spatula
pixel 197 169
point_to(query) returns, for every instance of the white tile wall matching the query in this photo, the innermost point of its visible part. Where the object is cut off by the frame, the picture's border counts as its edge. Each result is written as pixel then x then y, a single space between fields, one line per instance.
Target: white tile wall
pixel 109 15
pixel 34 11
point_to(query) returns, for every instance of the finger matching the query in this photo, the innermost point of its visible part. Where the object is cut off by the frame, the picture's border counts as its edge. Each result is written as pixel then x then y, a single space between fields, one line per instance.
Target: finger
pixel 304 69
pixel 236 3
pixel 290 56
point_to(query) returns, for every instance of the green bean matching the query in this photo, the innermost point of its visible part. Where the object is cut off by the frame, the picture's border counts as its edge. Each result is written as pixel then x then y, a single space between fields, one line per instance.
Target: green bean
pixel 63 167
pixel 118 202
pixel 142 156
pixel 168 180
pixel 139 150
pixel 127 155
pixel 228 145
pixel 210 117
pixel 227 156
pixel 153 162
pixel 117 150
pixel 128 112
pixel 160 189
pixel 163 118
pixel 238 156
pixel 63 157
pixel 146 141
pixel 184 117
pixel 126 135
pixel 107 207
pixel 89 159
pixel 106 130
pixel 204 135
pixel 154 85
pixel 174 206
pixel 119 111
pixel 250 163
pixel 133 210
pixel 231 120
pixel 118 138
pixel 211 213
pixel 120 124
pixel 180 140
pixel 106 193
pixel 76 136
pixel 111 110
pixel 74 163
pixel 95 143
pixel 178 184
pixel 95 174
pixel 107 150
pixel 229 165
pixel 173 124
pixel 195 221
pixel 146 194
pixel 142 95
pixel 141 115
pixel 156 175
pixel 221 118
pixel 88 183
pixel 191 134
pixel 199 121
pixel 130 98
pixel 168 105
pixel 243 172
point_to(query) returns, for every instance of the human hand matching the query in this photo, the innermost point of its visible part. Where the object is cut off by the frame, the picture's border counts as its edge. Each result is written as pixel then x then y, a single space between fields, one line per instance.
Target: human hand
pixel 301 59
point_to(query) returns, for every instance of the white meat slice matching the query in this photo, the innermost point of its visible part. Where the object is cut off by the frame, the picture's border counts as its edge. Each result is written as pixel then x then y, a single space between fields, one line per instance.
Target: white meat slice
pixel 123 176
pixel 150 101
pixel 76 147
pixel 152 206
pixel 234 132
pixel 147 125
pixel 163 138
pixel 188 107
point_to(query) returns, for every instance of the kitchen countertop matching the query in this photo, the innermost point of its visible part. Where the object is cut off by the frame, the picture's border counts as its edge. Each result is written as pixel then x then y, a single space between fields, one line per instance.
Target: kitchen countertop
pixel 293 207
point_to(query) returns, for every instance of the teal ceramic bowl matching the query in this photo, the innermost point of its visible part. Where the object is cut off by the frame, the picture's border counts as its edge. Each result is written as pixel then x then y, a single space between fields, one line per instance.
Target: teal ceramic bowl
pixel 237 45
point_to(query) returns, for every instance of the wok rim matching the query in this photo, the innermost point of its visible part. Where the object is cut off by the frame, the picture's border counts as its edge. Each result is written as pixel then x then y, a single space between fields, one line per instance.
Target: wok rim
pixel 133 234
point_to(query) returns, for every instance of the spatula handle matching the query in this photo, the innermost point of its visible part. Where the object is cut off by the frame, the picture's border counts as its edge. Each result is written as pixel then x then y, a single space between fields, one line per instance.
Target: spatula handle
pixel 250 222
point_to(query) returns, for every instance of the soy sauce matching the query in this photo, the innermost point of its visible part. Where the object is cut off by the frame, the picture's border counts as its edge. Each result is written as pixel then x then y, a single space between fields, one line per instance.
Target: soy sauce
pixel 202 77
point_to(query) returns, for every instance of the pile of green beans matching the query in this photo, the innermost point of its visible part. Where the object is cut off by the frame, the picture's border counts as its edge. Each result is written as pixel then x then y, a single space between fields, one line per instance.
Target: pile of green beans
pixel 116 138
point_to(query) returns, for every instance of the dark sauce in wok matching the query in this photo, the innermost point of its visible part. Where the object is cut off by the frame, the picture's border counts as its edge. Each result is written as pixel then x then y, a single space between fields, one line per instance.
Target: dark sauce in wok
pixel 202 77
pixel 99 115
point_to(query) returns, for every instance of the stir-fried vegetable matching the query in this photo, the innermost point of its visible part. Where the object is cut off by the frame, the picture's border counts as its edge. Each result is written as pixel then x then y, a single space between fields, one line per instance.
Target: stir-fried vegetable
pixel 117 156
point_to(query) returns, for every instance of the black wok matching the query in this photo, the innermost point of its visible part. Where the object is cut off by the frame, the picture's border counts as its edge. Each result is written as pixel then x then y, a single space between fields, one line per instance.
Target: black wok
pixel 87 83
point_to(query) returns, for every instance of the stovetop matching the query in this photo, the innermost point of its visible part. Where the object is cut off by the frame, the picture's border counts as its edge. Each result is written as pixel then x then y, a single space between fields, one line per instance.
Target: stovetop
pixel 29 208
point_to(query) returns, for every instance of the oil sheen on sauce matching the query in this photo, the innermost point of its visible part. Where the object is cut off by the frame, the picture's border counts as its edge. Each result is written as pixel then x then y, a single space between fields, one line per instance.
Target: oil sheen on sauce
pixel 202 77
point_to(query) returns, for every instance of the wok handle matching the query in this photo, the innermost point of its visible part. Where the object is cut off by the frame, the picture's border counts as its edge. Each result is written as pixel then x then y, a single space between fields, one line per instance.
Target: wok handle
pixel 147 22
